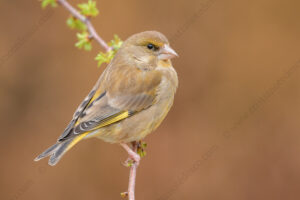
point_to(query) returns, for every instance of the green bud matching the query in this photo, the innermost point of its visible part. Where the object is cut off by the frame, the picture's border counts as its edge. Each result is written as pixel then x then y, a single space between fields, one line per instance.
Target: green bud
pixel 75 23
pixel 45 3
pixel 83 41
pixel 88 9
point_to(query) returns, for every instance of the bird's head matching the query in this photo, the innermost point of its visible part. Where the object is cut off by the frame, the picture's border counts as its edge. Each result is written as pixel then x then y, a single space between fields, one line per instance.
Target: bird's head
pixel 148 47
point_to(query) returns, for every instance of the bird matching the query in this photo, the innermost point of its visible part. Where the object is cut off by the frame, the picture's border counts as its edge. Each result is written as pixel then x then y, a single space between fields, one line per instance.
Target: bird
pixel 131 98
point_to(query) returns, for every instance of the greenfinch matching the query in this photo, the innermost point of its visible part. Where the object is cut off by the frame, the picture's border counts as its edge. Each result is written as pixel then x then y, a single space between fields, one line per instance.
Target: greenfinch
pixel 130 99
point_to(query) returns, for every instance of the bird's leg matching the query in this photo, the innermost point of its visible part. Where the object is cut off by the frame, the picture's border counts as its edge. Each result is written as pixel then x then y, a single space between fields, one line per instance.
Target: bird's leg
pixel 133 155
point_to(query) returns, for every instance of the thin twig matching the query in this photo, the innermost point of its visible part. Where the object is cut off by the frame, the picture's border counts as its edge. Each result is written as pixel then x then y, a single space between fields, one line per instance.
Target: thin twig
pixel 135 158
pixel 132 176
pixel 86 21
pixel 131 185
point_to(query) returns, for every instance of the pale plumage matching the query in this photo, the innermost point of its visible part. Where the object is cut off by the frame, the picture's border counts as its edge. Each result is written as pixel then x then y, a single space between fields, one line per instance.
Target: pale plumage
pixel 130 99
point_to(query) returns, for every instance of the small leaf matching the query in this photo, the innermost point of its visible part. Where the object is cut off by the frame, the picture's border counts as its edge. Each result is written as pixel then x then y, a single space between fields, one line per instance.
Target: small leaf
pixel 104 57
pixel 87 46
pixel 130 163
pixel 89 9
pixel 116 43
pixel 144 145
pixel 45 3
pixel 75 23
pixel 124 194
pixel 141 149
pixel 83 41
pixel 141 152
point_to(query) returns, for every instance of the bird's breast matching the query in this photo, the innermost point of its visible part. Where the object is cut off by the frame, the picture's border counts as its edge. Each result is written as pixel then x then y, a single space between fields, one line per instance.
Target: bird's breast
pixel 169 81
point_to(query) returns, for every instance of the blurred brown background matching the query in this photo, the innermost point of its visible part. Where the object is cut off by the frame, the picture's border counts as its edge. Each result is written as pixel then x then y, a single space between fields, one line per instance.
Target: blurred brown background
pixel 233 132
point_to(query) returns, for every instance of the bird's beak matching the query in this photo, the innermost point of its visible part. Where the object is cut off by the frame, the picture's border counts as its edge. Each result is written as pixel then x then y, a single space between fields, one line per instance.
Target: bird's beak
pixel 166 52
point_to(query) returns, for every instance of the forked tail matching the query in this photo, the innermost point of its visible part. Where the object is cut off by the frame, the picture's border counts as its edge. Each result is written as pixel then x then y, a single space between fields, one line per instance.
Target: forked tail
pixel 59 149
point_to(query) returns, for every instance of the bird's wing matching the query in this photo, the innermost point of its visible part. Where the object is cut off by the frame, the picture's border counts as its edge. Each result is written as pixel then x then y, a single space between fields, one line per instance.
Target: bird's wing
pixel 123 91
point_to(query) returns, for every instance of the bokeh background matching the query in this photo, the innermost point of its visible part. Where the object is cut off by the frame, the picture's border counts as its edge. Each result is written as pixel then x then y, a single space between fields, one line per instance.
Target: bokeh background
pixel 233 132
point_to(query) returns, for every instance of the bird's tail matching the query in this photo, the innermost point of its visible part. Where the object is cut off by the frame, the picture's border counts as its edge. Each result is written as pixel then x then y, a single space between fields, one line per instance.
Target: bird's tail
pixel 59 149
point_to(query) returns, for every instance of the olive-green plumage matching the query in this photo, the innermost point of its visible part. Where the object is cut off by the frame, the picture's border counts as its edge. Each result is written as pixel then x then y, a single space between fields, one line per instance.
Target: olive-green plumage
pixel 131 98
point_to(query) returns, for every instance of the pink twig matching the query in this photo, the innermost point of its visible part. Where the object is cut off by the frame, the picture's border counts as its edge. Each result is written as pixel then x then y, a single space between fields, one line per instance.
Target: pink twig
pixel 132 175
pixel 86 21
pixel 131 185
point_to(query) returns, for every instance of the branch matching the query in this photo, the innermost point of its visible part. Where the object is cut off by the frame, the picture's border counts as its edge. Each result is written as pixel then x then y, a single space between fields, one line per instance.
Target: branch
pixel 87 22
pixel 131 186
pixel 132 177
pixel 133 160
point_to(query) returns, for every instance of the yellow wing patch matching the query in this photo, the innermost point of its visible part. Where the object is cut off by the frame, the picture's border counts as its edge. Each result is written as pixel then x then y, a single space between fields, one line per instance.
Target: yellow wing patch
pixel 113 119
pixel 108 121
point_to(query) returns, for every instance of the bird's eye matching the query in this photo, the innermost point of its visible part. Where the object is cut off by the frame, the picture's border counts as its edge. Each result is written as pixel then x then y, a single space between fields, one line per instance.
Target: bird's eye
pixel 150 46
